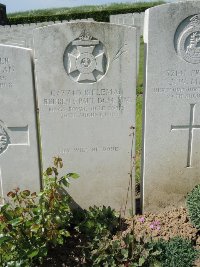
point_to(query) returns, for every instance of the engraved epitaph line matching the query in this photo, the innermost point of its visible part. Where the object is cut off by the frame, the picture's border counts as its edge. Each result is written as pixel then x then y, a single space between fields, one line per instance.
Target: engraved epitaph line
pixel 190 127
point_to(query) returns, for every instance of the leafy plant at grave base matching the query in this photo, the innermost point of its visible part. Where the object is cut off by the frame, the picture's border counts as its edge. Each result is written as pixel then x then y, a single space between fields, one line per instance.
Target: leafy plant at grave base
pixel 31 223
pixel 97 228
pixel 96 222
pixel 193 206
pixel 177 252
pixel 121 251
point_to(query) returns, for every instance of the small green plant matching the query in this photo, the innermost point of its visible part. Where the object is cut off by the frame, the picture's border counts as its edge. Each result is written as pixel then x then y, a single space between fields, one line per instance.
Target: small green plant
pixel 193 206
pixel 122 250
pixel 177 252
pixel 104 243
pixel 97 222
pixel 31 223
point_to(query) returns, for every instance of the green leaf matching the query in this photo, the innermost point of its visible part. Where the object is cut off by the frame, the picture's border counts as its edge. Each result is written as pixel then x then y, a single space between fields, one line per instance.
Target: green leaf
pixel 55 171
pixel 16 221
pixel 33 253
pixel 65 182
pixel 26 193
pixel 156 264
pixel 35 227
pixel 141 261
pixel 58 162
pixel 49 171
pixel 11 194
pixel 4 239
pixel 64 233
pixel 73 175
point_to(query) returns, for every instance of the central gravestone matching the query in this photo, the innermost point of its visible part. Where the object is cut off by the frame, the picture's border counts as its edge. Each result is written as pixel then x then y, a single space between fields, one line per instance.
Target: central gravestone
pixel 172 104
pixel 19 156
pixel 86 76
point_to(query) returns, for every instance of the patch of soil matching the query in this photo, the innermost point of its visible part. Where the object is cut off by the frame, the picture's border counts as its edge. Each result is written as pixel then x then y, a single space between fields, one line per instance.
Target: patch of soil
pixel 165 225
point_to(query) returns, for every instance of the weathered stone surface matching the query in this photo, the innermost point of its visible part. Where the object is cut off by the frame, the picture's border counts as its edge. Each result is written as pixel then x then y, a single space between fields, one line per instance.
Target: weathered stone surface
pixel 171 152
pixel 130 19
pixel 19 157
pixel 86 77
pixel 22 34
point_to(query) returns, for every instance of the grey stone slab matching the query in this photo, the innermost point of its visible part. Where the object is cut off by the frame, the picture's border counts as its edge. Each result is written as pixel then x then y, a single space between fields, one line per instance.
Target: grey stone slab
pixel 21 34
pixel 86 84
pixel 113 19
pixel 131 19
pixel 127 19
pixel 19 157
pixel 171 151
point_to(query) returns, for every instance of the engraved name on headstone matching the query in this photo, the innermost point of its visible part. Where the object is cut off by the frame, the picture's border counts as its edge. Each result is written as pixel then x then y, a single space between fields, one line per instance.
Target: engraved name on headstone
pixel 171 151
pixel 86 90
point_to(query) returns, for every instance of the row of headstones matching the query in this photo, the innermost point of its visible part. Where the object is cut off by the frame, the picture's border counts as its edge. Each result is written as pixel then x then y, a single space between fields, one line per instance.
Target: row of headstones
pixel 130 19
pixel 22 34
pixel 85 77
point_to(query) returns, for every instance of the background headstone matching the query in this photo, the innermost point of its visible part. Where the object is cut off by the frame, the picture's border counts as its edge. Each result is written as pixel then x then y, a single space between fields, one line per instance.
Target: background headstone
pixel 3 15
pixel 86 83
pixel 128 20
pixel 131 19
pixel 22 34
pixel 171 151
pixel 19 157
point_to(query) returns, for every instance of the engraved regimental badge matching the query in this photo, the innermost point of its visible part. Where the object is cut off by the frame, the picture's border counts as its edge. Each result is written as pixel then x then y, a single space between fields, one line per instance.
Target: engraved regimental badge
pixel 4 139
pixel 187 39
pixel 85 59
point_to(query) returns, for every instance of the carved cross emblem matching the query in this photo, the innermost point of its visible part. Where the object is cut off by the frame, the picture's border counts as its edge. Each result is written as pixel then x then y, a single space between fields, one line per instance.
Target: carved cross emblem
pixel 86 59
pixel 11 136
pixel 190 127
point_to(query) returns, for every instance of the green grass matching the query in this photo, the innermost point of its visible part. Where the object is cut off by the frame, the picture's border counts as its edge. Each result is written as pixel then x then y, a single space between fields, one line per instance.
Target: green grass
pixel 141 70
pixel 89 8
pixel 139 102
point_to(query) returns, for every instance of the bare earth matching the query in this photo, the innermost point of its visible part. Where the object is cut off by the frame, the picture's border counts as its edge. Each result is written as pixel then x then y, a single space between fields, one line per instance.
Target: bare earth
pixel 166 225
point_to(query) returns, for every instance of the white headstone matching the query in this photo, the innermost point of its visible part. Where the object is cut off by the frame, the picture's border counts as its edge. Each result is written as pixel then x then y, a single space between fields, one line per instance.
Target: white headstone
pixel 127 19
pixel 131 19
pixel 172 104
pixel 22 34
pixel 113 19
pixel 86 77
pixel 19 157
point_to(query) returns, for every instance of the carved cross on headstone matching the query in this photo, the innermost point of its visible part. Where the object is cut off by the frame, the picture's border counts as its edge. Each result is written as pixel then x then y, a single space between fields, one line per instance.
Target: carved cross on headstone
pixel 189 127
pixel 11 136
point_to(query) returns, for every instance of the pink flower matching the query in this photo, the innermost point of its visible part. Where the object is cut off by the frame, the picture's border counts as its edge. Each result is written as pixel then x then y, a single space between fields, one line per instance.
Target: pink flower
pixel 155 225
pixel 152 226
pixel 142 219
